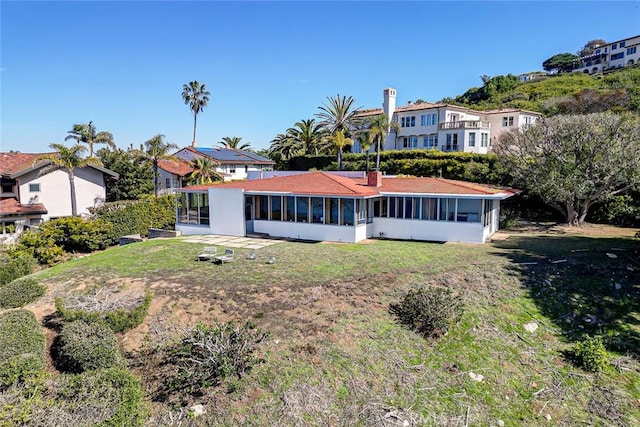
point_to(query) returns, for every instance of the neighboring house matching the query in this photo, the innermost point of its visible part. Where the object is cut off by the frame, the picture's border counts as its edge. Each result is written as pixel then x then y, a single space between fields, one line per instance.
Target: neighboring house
pixel 442 126
pixel 231 164
pixel 325 206
pixel 173 174
pixel 28 198
pixel 618 54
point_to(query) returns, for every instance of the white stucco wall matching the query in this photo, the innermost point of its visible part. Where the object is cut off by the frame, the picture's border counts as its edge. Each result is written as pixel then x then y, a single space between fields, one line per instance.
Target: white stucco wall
pixel 55 193
pixel 300 230
pixel 439 231
pixel 226 209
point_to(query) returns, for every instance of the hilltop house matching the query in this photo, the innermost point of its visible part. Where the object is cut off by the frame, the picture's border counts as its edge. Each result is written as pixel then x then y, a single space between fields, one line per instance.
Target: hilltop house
pixel 172 174
pixel 443 126
pixel 28 197
pixel 618 54
pixel 232 164
pixel 332 207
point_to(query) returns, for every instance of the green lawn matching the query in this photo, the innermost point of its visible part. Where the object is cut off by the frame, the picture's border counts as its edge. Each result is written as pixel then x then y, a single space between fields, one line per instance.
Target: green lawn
pixel 335 355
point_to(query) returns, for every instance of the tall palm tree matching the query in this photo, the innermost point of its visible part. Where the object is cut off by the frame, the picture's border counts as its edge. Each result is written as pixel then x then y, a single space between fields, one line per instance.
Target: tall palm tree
pixel 285 146
pixel 86 134
pixel 378 128
pixel 234 142
pixel 338 115
pixel 196 96
pixel 308 135
pixel 365 144
pixel 337 142
pixel 204 171
pixel 68 159
pixel 157 149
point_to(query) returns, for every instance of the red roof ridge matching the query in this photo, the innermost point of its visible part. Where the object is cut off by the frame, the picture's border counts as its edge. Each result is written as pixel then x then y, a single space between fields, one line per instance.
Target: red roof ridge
pixel 469 185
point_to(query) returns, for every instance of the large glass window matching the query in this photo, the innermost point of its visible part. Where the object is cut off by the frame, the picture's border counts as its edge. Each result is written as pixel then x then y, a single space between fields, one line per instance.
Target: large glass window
pixel 193 208
pixel 468 210
pixel 302 209
pixel 203 208
pixel 447 209
pixel 429 208
pixel 331 211
pixel 262 207
pixel 347 211
pixel 408 207
pixel 290 211
pixel 317 212
pixel 276 208
pixel 392 207
pixel 361 209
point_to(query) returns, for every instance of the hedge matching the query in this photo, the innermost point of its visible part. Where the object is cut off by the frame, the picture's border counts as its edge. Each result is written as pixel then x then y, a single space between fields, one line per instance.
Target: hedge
pixel 88 346
pixel 20 292
pixel 21 346
pixel 117 320
pixel 15 266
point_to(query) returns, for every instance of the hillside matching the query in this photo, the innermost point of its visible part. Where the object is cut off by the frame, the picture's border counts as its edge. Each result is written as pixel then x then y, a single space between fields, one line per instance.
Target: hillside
pixel 542 95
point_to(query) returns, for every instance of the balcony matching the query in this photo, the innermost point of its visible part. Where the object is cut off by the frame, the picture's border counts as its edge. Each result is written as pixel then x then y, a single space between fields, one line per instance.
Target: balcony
pixel 463 124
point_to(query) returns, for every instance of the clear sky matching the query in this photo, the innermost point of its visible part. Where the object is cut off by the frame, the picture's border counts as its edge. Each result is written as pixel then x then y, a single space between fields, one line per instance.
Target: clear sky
pixel 267 64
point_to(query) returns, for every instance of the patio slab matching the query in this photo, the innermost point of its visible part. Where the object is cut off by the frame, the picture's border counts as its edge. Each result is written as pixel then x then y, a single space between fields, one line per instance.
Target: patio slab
pixel 232 242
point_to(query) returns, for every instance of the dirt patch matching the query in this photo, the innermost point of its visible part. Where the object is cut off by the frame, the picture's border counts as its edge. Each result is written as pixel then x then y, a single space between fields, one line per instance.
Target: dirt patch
pixel 587 229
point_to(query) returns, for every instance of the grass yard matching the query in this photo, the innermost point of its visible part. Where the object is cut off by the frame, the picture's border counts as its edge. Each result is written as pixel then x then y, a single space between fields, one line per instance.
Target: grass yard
pixel 336 356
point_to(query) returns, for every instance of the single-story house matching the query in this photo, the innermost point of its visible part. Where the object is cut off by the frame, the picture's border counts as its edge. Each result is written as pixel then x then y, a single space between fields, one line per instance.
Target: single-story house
pixel 324 206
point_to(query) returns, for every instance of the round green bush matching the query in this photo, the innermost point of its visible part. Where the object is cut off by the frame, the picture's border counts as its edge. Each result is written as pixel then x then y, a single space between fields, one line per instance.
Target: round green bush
pixel 15 266
pixel 21 346
pixel 429 311
pixel 591 354
pixel 88 346
pixel 20 292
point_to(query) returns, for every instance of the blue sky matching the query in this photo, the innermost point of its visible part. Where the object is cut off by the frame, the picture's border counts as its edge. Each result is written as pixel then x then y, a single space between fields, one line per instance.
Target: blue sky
pixel 267 64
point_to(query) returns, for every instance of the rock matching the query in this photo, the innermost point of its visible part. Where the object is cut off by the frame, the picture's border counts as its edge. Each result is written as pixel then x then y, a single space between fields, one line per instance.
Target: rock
pixel 197 410
pixel 618 286
pixel 610 255
pixel 501 423
pixel 531 327
pixel 548 417
pixel 476 377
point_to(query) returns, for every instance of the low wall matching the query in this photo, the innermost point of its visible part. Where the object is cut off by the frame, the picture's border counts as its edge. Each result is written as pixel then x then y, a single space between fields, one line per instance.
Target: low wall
pixel 133 238
pixel 154 233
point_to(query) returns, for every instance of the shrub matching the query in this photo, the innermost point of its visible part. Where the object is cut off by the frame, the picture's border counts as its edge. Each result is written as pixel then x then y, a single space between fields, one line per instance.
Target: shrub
pixel 14 266
pixel 508 218
pixel 206 354
pixel 76 234
pixel 20 292
pixel 43 248
pixel 21 346
pixel 591 354
pixel 86 347
pixel 429 311
pixel 119 313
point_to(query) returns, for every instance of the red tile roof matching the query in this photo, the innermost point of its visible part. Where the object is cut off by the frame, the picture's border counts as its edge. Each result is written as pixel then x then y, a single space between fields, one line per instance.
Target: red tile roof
pixel 325 184
pixel 11 163
pixel 415 107
pixel 13 207
pixel 180 167
pixel 511 110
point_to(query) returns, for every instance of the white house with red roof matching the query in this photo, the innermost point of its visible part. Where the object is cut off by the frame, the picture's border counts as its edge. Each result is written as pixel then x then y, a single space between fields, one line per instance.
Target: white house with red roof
pixel 329 207
pixel 444 127
pixel 230 163
pixel 172 174
pixel 28 197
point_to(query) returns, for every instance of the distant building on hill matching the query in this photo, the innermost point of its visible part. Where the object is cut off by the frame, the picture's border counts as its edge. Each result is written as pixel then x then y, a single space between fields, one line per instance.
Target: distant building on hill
pixel 618 54
pixel 445 127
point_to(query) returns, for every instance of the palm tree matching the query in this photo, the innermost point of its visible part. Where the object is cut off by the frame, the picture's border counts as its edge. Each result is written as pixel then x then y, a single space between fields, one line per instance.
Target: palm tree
pixel 338 115
pixel 378 128
pixel 86 134
pixel 156 149
pixel 365 145
pixel 68 159
pixel 308 135
pixel 285 146
pixel 196 96
pixel 204 171
pixel 234 143
pixel 337 143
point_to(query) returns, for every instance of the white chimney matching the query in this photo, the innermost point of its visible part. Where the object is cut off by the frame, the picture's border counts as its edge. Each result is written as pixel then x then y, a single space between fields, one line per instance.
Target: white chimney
pixel 389 103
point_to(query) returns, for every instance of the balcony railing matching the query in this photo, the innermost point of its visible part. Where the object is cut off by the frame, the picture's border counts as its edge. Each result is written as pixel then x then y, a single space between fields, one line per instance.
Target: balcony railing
pixel 464 124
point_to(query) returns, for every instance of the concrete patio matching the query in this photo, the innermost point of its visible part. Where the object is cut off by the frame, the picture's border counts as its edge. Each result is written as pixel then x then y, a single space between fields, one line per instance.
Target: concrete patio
pixel 231 241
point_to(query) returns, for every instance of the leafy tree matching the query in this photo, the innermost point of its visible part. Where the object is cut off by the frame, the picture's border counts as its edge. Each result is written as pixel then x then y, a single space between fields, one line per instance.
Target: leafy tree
pixel 86 134
pixel 285 146
pixel 68 159
pixel 338 115
pixel 204 171
pixel 572 162
pixel 234 142
pixel 365 144
pixel 561 62
pixel 136 178
pixel 591 46
pixel 307 135
pixel 337 143
pixel 157 149
pixel 196 97
pixel 378 127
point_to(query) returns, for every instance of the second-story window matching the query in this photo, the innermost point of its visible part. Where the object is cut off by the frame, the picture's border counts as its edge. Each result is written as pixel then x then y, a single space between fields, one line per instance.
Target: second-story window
pixel 507 121
pixel 406 122
pixel 472 139
pixel 232 169
pixel 34 188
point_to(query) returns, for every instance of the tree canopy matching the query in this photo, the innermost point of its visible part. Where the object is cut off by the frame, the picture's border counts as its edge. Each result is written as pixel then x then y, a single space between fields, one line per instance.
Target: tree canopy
pixel 87 134
pixel 574 161
pixel 136 178
pixel 196 96
pixel 560 63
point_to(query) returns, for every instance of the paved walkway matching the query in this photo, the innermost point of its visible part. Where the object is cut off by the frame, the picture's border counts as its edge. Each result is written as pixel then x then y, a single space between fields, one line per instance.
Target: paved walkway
pixel 231 241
